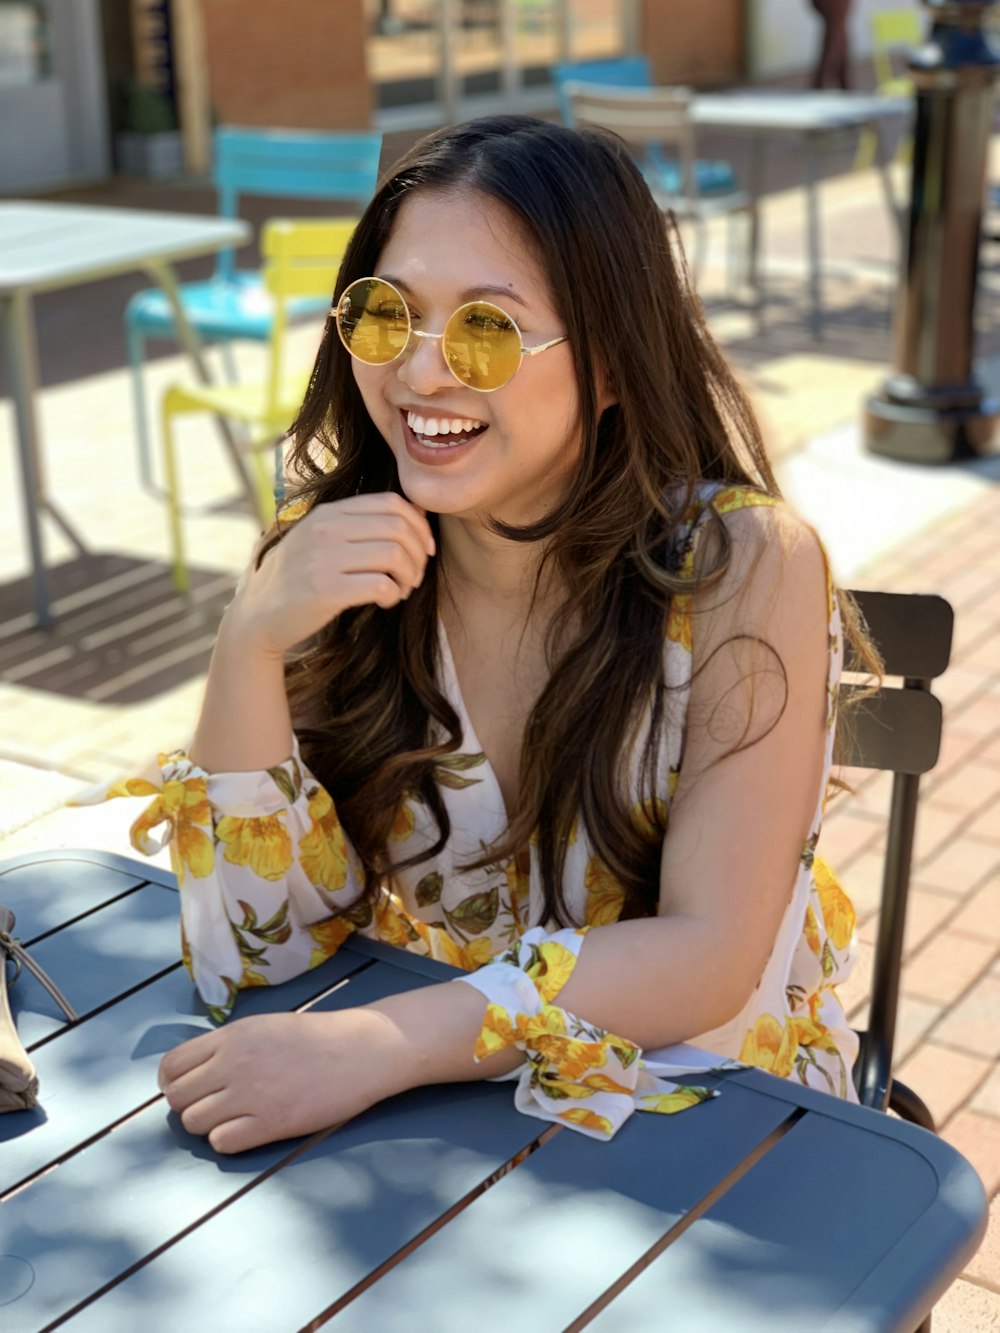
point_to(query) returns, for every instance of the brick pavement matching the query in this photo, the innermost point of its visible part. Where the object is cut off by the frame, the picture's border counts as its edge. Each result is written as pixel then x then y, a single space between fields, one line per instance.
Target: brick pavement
pixel 949 1027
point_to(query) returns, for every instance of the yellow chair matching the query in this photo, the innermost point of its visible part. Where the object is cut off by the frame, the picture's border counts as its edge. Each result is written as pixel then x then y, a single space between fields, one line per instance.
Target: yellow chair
pixel 301 259
pixel 890 29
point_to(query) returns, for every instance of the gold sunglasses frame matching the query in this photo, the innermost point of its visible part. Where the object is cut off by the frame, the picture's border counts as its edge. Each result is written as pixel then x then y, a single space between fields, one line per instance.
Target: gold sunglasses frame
pixel 334 311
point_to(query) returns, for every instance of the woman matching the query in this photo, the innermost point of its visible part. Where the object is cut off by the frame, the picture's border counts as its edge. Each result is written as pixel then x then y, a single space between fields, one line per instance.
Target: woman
pixel 541 672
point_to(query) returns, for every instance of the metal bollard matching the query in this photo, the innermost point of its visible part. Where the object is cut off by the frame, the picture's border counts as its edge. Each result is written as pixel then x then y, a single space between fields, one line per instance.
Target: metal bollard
pixel 930 408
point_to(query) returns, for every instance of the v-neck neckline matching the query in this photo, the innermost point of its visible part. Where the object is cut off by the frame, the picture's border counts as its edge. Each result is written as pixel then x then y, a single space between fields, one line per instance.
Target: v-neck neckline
pixel 471 743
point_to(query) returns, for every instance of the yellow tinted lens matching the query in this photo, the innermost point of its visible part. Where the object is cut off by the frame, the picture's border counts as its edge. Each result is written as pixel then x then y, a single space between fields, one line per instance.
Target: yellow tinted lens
pixel 482 346
pixel 372 321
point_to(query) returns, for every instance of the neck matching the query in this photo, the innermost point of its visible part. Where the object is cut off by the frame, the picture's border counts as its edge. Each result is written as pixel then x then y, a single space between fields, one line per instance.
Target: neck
pixel 481 564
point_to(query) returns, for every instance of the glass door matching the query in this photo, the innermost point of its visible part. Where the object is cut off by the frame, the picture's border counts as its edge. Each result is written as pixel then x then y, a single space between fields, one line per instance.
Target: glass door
pixel 53 113
pixel 445 60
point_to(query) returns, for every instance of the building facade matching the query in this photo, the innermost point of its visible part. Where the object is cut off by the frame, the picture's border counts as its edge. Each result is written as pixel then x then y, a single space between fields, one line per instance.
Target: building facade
pixel 77 74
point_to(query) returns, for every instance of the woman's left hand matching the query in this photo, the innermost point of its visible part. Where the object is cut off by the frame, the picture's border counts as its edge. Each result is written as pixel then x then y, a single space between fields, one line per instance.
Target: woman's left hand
pixel 276 1076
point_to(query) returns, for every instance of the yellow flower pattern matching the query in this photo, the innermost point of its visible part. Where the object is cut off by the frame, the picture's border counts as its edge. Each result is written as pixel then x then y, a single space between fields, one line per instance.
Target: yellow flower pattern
pixel 278 888
pixel 323 850
pixel 262 844
pixel 605 895
pixel 185 807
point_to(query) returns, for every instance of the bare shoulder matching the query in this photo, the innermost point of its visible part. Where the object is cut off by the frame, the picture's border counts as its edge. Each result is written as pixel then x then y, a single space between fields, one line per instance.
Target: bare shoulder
pixel 776 579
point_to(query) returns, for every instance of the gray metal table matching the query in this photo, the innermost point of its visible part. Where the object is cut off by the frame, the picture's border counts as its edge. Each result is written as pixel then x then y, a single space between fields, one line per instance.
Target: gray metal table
pixel 812 118
pixel 44 246
pixel 771 1208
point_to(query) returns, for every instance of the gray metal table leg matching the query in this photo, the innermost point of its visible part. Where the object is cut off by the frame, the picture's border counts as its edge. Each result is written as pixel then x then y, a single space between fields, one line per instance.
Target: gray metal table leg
pixel 22 360
pixel 815 257
pixel 164 276
pixel 756 227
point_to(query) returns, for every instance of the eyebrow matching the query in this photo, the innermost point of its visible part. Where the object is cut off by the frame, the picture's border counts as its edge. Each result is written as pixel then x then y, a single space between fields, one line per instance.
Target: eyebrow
pixel 470 293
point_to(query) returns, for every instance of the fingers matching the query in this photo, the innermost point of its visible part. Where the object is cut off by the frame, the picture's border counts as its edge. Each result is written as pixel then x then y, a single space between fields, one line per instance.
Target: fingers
pixel 389 504
pixel 354 543
pixel 185 1057
pixel 237 1135
pixel 385 557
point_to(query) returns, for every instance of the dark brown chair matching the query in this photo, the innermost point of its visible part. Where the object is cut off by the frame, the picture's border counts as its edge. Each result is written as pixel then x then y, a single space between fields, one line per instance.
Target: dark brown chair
pixel 897 730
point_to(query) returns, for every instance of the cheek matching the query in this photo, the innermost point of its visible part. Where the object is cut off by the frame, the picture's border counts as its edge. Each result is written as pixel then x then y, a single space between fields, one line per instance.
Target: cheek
pixel 371 385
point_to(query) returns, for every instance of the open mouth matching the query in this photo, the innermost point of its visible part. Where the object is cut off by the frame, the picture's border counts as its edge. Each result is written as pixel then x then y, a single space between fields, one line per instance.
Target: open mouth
pixel 443 432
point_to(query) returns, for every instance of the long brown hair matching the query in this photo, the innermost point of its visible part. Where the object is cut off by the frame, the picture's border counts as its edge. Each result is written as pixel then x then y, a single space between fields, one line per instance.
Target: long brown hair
pixel 376 727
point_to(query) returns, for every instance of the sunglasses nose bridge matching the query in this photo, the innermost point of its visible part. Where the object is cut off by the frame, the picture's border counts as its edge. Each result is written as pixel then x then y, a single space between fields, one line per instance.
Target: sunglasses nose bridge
pixel 424 370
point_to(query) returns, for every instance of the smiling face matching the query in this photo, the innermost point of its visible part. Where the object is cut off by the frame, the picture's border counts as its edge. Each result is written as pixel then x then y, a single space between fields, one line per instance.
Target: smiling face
pixel 508 454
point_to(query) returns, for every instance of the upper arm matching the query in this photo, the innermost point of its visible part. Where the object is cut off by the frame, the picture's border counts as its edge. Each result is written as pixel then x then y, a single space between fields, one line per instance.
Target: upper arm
pixel 755 742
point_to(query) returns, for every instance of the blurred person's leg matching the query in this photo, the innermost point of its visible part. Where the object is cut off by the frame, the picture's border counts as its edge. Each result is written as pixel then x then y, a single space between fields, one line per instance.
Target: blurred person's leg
pixel 831 70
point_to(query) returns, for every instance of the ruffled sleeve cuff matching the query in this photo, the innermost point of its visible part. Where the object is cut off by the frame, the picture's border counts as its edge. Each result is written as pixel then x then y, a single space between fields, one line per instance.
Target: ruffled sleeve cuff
pixel 574 1073
pixel 265 871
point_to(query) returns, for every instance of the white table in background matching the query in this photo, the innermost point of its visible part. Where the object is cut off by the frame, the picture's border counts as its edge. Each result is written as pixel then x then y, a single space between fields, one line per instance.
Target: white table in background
pixel 814 118
pixel 45 246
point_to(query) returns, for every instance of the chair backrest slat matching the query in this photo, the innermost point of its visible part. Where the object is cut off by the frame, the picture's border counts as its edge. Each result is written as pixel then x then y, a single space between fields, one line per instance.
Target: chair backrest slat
pixel 301 258
pixel 619 72
pixel 292 164
pixel 646 118
pixel 913 631
pixel 894 730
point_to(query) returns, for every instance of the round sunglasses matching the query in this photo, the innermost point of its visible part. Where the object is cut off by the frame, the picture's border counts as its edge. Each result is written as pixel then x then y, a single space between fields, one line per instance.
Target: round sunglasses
pixel 481 344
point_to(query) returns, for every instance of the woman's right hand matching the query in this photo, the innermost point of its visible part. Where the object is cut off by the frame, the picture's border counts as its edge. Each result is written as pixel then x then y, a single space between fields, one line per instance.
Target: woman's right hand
pixel 365 549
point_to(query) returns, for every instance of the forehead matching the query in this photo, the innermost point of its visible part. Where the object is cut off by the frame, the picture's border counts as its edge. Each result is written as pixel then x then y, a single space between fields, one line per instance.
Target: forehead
pixel 446 242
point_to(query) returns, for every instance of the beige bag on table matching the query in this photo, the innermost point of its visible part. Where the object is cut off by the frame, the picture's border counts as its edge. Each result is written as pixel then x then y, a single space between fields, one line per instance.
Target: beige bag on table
pixel 18 1080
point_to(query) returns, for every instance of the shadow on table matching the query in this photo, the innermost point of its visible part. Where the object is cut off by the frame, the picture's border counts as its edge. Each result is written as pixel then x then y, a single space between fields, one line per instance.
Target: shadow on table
pixel 121 633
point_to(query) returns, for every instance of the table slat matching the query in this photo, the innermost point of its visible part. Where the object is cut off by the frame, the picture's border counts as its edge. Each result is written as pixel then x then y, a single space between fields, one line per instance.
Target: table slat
pixel 44 895
pixel 125 1042
pixel 756 1270
pixel 406 1157
pixel 98 957
pixel 550 1237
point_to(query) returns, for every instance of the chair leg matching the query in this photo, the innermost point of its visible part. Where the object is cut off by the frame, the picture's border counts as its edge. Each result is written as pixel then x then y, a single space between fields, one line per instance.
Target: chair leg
pixel 753 265
pixel 867 144
pixel 700 249
pixel 264 480
pixel 135 345
pixel 228 361
pixel 173 498
pixel 905 1102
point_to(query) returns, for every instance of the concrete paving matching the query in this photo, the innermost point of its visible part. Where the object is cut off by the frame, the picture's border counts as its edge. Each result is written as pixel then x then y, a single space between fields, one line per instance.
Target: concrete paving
pixel 887 524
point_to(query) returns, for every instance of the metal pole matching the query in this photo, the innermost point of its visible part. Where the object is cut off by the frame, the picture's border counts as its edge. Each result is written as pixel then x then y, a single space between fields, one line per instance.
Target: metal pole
pixel 931 408
pixel 510 69
pixel 18 329
pixel 448 76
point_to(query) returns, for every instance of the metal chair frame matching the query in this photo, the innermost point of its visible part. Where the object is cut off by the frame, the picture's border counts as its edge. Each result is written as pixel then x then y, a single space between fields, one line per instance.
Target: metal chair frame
pixel 651 119
pixel 234 303
pixel 897 730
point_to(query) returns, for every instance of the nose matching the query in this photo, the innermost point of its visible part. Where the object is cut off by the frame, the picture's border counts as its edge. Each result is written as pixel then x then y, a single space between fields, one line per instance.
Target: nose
pixel 422 367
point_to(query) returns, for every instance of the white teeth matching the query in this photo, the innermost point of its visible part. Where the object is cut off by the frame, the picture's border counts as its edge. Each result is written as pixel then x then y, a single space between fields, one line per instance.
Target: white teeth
pixel 440 425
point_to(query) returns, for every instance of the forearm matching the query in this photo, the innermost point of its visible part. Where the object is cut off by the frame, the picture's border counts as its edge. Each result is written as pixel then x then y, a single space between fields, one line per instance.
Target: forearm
pixel 652 981
pixel 245 725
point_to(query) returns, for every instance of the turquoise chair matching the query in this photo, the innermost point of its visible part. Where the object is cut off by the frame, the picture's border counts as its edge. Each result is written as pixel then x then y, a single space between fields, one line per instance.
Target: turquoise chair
pixel 235 303
pixel 662 172
pixel 301 260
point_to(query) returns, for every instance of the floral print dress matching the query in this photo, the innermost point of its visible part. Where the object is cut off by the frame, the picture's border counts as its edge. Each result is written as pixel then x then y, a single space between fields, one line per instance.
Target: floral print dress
pixel 264 863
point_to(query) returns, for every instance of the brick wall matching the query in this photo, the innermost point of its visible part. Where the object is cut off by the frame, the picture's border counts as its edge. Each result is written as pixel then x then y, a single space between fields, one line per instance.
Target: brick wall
pixel 298 64
pixel 697 42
